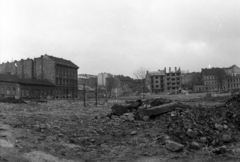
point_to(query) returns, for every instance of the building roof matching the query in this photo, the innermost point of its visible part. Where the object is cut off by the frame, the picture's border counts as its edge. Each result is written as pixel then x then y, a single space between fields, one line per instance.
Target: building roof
pixel 87 88
pixel 82 77
pixel 64 62
pixel 36 82
pixel 16 79
pixel 9 78
pixel 156 73
pixel 231 67
pixel 213 71
pixel 86 76
pixel 124 78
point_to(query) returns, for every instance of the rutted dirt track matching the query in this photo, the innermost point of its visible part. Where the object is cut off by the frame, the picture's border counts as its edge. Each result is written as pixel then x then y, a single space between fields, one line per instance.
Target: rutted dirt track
pixel 65 131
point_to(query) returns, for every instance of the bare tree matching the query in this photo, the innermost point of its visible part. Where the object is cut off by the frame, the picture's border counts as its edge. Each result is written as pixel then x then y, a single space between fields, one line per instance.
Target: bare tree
pixel 112 83
pixel 140 74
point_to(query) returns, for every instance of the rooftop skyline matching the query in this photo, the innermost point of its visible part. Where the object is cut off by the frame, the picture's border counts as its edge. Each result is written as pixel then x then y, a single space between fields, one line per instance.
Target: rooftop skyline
pixel 118 37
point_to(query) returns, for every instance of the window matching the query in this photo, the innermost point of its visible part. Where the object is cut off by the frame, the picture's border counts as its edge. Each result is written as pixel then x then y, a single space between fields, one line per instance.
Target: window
pixel 23 93
pixel 1 90
pixel 14 90
pixel 8 90
pixel 156 86
pixel 156 77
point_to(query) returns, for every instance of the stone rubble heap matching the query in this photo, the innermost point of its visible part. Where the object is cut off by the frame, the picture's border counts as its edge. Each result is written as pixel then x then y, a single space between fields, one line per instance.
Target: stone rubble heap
pixel 193 127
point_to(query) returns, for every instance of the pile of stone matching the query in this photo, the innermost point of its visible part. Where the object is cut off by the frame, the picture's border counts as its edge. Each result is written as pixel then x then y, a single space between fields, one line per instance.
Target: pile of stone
pixel 199 126
pixel 192 127
pixel 133 106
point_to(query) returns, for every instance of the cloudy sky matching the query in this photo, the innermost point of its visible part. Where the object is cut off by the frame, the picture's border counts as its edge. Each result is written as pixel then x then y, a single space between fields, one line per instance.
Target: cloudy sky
pixel 119 36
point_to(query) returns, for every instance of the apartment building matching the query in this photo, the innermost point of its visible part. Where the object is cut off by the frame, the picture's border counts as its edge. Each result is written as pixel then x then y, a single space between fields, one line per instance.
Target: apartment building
pixel 58 73
pixel 216 79
pixel 87 79
pixel 163 81
pixel 102 78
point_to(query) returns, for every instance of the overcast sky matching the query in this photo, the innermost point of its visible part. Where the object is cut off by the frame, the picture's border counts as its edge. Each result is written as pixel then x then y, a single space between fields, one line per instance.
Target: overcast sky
pixel 119 36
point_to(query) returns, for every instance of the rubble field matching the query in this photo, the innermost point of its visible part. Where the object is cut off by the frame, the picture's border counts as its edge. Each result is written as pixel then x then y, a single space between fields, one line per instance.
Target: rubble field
pixel 157 129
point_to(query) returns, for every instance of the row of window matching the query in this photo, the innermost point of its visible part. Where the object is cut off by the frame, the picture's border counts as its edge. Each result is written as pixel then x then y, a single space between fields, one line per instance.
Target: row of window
pixel 66 73
pixel 234 80
pixel 36 92
pixel 156 77
pixel 234 86
pixel 215 82
pixel 173 74
pixel 66 82
pixel 210 77
pixel 156 86
pixel 178 83
pixel 168 79
pixel 8 90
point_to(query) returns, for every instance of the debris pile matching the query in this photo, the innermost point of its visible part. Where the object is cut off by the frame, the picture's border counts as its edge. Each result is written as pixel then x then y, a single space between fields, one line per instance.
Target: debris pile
pixel 133 106
pixel 193 127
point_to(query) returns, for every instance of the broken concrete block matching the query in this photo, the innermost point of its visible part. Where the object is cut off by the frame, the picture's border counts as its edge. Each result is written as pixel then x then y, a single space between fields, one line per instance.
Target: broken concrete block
pixel 173 146
pixel 133 132
pixel 227 138
pixel 146 118
pixel 203 139
pixel 218 126
pixel 194 145
pixel 158 110
pixel 119 109
pixel 191 133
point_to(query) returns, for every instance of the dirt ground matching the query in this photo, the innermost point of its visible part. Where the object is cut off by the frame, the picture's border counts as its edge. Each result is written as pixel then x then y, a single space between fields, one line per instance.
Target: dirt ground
pixel 65 131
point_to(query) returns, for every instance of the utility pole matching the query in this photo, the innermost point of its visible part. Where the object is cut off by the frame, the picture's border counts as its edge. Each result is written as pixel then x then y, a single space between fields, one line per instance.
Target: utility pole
pixel 84 95
pixel 142 88
pixel 96 92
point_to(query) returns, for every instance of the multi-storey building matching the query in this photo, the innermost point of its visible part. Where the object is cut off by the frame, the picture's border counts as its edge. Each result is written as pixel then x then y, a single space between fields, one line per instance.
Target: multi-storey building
pixel 216 79
pixel 125 80
pixel 161 81
pixel 102 78
pixel 190 79
pixel 60 73
pixel 155 81
pixel 87 79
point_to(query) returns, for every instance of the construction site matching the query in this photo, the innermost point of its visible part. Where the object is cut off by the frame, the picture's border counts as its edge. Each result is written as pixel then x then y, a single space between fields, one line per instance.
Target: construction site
pixel 193 127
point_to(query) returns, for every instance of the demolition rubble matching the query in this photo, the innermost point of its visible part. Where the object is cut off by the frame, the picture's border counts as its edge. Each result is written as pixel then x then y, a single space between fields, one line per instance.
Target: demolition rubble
pixel 191 127
pixel 64 130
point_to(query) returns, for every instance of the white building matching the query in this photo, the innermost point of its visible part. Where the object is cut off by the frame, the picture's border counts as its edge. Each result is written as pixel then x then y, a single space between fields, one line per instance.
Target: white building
pixel 101 78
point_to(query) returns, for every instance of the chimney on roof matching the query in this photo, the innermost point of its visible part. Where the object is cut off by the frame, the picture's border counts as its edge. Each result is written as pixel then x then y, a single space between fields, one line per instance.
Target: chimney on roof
pixel 165 69
pixel 175 69
pixel 169 69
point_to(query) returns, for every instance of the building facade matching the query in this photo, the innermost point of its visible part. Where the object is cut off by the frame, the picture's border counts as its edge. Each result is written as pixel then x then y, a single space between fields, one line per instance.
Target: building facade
pixel 87 79
pixel 102 78
pixel 61 73
pixel 216 79
pixel 13 86
pixel 161 81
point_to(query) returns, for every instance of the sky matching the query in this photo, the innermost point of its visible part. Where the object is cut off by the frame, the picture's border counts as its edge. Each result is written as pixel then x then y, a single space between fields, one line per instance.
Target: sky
pixel 121 36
